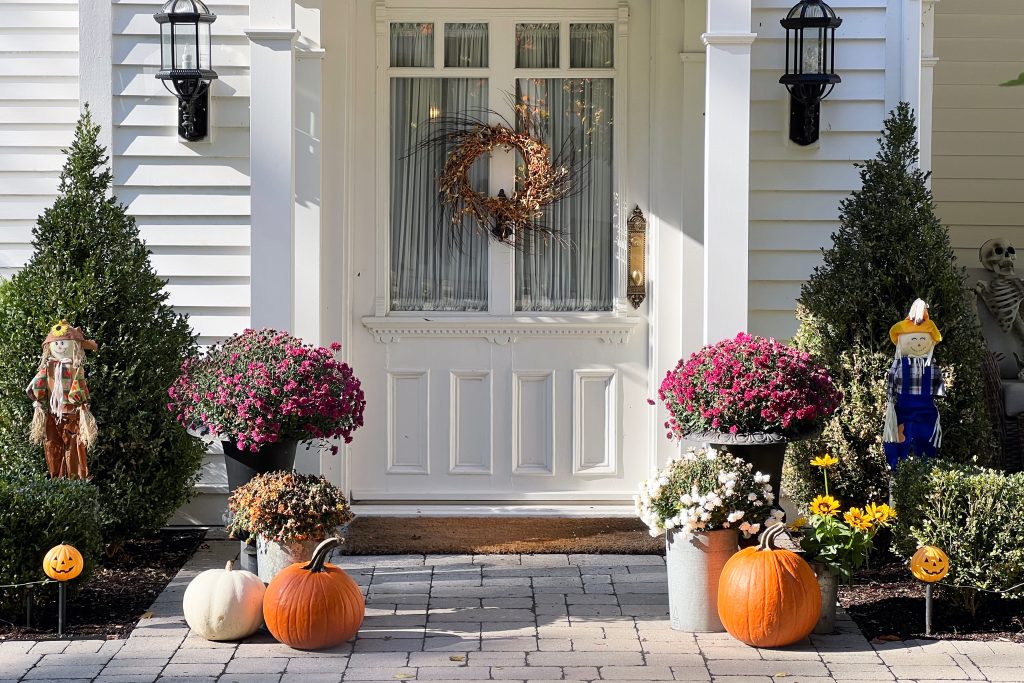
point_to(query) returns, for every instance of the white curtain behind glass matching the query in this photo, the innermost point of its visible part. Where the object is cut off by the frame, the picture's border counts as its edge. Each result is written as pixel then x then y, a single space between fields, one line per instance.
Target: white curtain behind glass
pixel 428 271
pixel 575 273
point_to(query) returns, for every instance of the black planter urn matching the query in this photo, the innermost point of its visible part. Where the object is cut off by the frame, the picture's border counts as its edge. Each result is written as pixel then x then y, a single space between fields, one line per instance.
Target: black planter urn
pixel 765 451
pixel 243 465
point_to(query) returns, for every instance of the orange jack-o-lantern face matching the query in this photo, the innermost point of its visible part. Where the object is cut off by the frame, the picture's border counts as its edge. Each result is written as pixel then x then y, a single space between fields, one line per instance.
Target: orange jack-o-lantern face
pixel 63 563
pixel 929 564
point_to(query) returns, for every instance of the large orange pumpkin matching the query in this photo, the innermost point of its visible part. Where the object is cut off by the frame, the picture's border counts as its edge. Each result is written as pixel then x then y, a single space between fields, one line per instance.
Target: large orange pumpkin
pixel 314 605
pixel 768 596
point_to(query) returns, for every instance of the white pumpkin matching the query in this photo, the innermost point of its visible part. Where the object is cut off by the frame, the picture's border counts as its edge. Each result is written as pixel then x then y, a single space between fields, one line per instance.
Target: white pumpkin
pixel 224 604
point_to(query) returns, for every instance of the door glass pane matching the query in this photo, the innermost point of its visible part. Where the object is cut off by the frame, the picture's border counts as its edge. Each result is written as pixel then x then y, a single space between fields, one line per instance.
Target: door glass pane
pixel 412 44
pixel 574 271
pixel 591 46
pixel 536 46
pixel 431 271
pixel 465 45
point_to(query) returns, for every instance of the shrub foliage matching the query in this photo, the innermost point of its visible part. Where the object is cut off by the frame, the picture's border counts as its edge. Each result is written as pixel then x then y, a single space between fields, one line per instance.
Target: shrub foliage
pixel 90 267
pixel 972 514
pixel 37 513
pixel 890 249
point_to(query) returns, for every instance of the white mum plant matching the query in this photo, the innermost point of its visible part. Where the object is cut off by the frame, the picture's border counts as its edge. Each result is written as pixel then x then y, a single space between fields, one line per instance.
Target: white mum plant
pixel 705 490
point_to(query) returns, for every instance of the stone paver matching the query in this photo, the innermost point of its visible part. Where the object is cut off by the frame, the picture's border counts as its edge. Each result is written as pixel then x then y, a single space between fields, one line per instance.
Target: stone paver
pixel 465 618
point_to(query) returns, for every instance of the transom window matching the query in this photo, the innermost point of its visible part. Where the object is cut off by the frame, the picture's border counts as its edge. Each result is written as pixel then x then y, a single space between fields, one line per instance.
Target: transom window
pixel 563 72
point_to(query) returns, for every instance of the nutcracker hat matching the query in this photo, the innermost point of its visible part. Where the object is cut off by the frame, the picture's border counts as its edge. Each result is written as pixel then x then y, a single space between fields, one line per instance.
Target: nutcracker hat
pixel 916 321
pixel 63 331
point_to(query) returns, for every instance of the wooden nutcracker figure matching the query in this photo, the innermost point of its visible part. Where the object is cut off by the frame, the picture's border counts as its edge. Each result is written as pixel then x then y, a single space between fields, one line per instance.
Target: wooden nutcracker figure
pixel 62 422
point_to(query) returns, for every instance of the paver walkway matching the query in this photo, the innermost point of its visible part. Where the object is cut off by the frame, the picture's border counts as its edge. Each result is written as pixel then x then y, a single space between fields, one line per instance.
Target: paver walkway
pixel 499 617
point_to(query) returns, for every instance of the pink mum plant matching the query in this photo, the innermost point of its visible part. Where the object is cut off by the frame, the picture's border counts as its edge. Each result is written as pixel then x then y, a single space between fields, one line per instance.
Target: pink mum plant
pixel 745 385
pixel 262 386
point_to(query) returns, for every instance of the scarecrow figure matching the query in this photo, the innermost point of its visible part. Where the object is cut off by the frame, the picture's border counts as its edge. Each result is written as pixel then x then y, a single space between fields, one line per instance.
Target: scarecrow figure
pixel 911 418
pixel 62 421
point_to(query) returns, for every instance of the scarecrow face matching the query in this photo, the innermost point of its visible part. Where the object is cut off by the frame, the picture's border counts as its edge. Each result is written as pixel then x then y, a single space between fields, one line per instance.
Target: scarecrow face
pixel 62 348
pixel 998 255
pixel 916 344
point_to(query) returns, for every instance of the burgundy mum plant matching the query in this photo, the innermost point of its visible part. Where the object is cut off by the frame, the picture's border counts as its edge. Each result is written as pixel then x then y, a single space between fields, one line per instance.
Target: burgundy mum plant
pixel 262 386
pixel 746 385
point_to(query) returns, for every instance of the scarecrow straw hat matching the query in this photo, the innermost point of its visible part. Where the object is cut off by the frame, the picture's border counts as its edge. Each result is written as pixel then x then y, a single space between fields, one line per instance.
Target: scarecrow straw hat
pixel 63 331
pixel 916 321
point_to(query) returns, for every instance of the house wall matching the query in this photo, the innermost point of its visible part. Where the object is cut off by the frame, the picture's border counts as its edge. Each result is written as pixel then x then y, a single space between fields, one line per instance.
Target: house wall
pixel 38 110
pixel 191 200
pixel 978 163
pixel 795 191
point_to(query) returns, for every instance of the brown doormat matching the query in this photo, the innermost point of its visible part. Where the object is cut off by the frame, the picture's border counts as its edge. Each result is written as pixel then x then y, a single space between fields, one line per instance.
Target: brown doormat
pixel 483 535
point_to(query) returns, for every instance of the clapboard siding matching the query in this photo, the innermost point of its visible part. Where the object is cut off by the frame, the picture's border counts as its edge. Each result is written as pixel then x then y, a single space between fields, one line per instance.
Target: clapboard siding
pixel 795 192
pixel 191 200
pixel 978 158
pixel 38 108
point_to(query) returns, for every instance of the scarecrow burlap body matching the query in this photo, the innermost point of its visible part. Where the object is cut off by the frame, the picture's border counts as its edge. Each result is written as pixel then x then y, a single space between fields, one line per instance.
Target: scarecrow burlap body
pixel 62 420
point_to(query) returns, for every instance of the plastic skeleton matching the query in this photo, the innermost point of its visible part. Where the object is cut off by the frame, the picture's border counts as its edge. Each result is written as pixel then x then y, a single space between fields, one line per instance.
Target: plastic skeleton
pixel 1004 293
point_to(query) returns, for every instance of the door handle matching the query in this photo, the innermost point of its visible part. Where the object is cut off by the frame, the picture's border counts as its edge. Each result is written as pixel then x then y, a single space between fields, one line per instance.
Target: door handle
pixel 636 258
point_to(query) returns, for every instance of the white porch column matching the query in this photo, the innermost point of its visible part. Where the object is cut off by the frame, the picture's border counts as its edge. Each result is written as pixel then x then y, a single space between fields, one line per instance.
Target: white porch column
pixel 272 158
pixel 928 61
pixel 726 168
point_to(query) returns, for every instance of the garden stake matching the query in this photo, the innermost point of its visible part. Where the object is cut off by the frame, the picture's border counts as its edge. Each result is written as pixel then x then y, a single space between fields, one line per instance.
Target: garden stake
pixel 61 608
pixel 928 609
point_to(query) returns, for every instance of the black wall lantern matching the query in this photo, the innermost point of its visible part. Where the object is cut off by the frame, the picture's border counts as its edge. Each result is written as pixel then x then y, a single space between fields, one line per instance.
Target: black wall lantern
pixel 185 62
pixel 810 65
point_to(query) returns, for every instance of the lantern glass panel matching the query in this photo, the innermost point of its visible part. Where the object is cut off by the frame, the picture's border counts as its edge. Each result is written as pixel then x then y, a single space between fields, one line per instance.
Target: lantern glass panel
pixel 813 57
pixel 166 62
pixel 204 46
pixel 185 46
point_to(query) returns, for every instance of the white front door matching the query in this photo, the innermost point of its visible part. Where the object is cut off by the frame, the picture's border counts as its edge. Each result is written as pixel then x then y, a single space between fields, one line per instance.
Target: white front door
pixel 493 373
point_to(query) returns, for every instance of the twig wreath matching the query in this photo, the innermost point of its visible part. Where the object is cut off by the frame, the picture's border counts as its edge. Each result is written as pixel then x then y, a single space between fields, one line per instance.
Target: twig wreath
pixel 540 181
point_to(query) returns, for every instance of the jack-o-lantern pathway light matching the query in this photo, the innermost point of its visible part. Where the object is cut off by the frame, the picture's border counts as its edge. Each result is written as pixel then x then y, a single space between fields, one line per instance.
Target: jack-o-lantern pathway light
pixel 62 563
pixel 929 564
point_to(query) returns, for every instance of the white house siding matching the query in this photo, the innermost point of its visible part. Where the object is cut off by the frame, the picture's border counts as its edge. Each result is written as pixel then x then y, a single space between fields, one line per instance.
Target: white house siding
pixel 795 191
pixel 191 200
pixel 38 109
pixel 978 158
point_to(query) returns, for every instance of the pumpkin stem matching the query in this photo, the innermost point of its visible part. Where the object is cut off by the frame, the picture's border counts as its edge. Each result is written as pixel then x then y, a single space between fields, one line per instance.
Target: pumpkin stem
pixel 229 566
pixel 767 541
pixel 316 564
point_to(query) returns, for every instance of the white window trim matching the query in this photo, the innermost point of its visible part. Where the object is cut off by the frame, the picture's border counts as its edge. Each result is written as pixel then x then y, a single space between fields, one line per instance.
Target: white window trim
pixel 499 324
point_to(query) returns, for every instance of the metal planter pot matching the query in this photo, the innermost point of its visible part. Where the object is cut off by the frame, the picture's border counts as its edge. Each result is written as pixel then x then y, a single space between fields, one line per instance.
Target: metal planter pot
pixel 272 557
pixel 694 565
pixel 765 451
pixel 829 585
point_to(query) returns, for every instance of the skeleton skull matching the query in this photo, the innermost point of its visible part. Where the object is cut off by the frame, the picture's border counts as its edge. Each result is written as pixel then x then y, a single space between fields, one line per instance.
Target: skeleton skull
pixel 997 255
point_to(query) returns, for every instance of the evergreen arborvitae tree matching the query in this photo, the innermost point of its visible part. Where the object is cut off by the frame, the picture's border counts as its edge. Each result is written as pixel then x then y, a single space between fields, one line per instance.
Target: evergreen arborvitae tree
pixel 90 267
pixel 890 249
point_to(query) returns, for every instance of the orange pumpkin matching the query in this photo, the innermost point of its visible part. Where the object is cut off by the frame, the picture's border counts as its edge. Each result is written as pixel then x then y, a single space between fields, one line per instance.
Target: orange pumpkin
pixel 314 605
pixel 768 596
pixel 63 562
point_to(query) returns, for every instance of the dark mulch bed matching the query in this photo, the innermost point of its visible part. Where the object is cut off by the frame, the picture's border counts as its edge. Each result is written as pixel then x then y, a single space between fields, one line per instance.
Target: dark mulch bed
pixel 887 603
pixel 118 593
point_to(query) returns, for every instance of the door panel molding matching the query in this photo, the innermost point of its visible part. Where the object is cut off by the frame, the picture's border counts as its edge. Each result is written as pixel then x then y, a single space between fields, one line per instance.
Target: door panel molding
pixel 408 422
pixel 470 429
pixel 595 420
pixel 533 422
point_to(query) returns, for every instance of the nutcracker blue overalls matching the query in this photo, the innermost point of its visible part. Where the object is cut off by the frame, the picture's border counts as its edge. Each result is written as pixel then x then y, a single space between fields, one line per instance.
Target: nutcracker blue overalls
pixel 917 416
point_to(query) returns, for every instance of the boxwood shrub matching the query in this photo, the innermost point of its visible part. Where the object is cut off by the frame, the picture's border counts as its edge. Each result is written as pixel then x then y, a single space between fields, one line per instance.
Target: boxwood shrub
pixel 37 513
pixel 973 514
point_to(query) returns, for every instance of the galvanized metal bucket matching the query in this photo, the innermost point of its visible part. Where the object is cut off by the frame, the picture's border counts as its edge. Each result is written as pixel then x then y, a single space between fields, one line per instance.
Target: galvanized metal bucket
pixel 829 585
pixel 272 557
pixel 694 565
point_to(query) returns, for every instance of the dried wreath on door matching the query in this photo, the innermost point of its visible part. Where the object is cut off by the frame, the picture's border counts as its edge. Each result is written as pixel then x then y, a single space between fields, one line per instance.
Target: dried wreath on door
pixel 541 179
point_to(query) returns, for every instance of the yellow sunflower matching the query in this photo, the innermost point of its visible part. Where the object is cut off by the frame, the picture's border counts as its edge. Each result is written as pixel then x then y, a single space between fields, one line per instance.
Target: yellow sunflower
pixel 824 461
pixel 880 514
pixel 856 518
pixel 826 506
pixel 797 524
